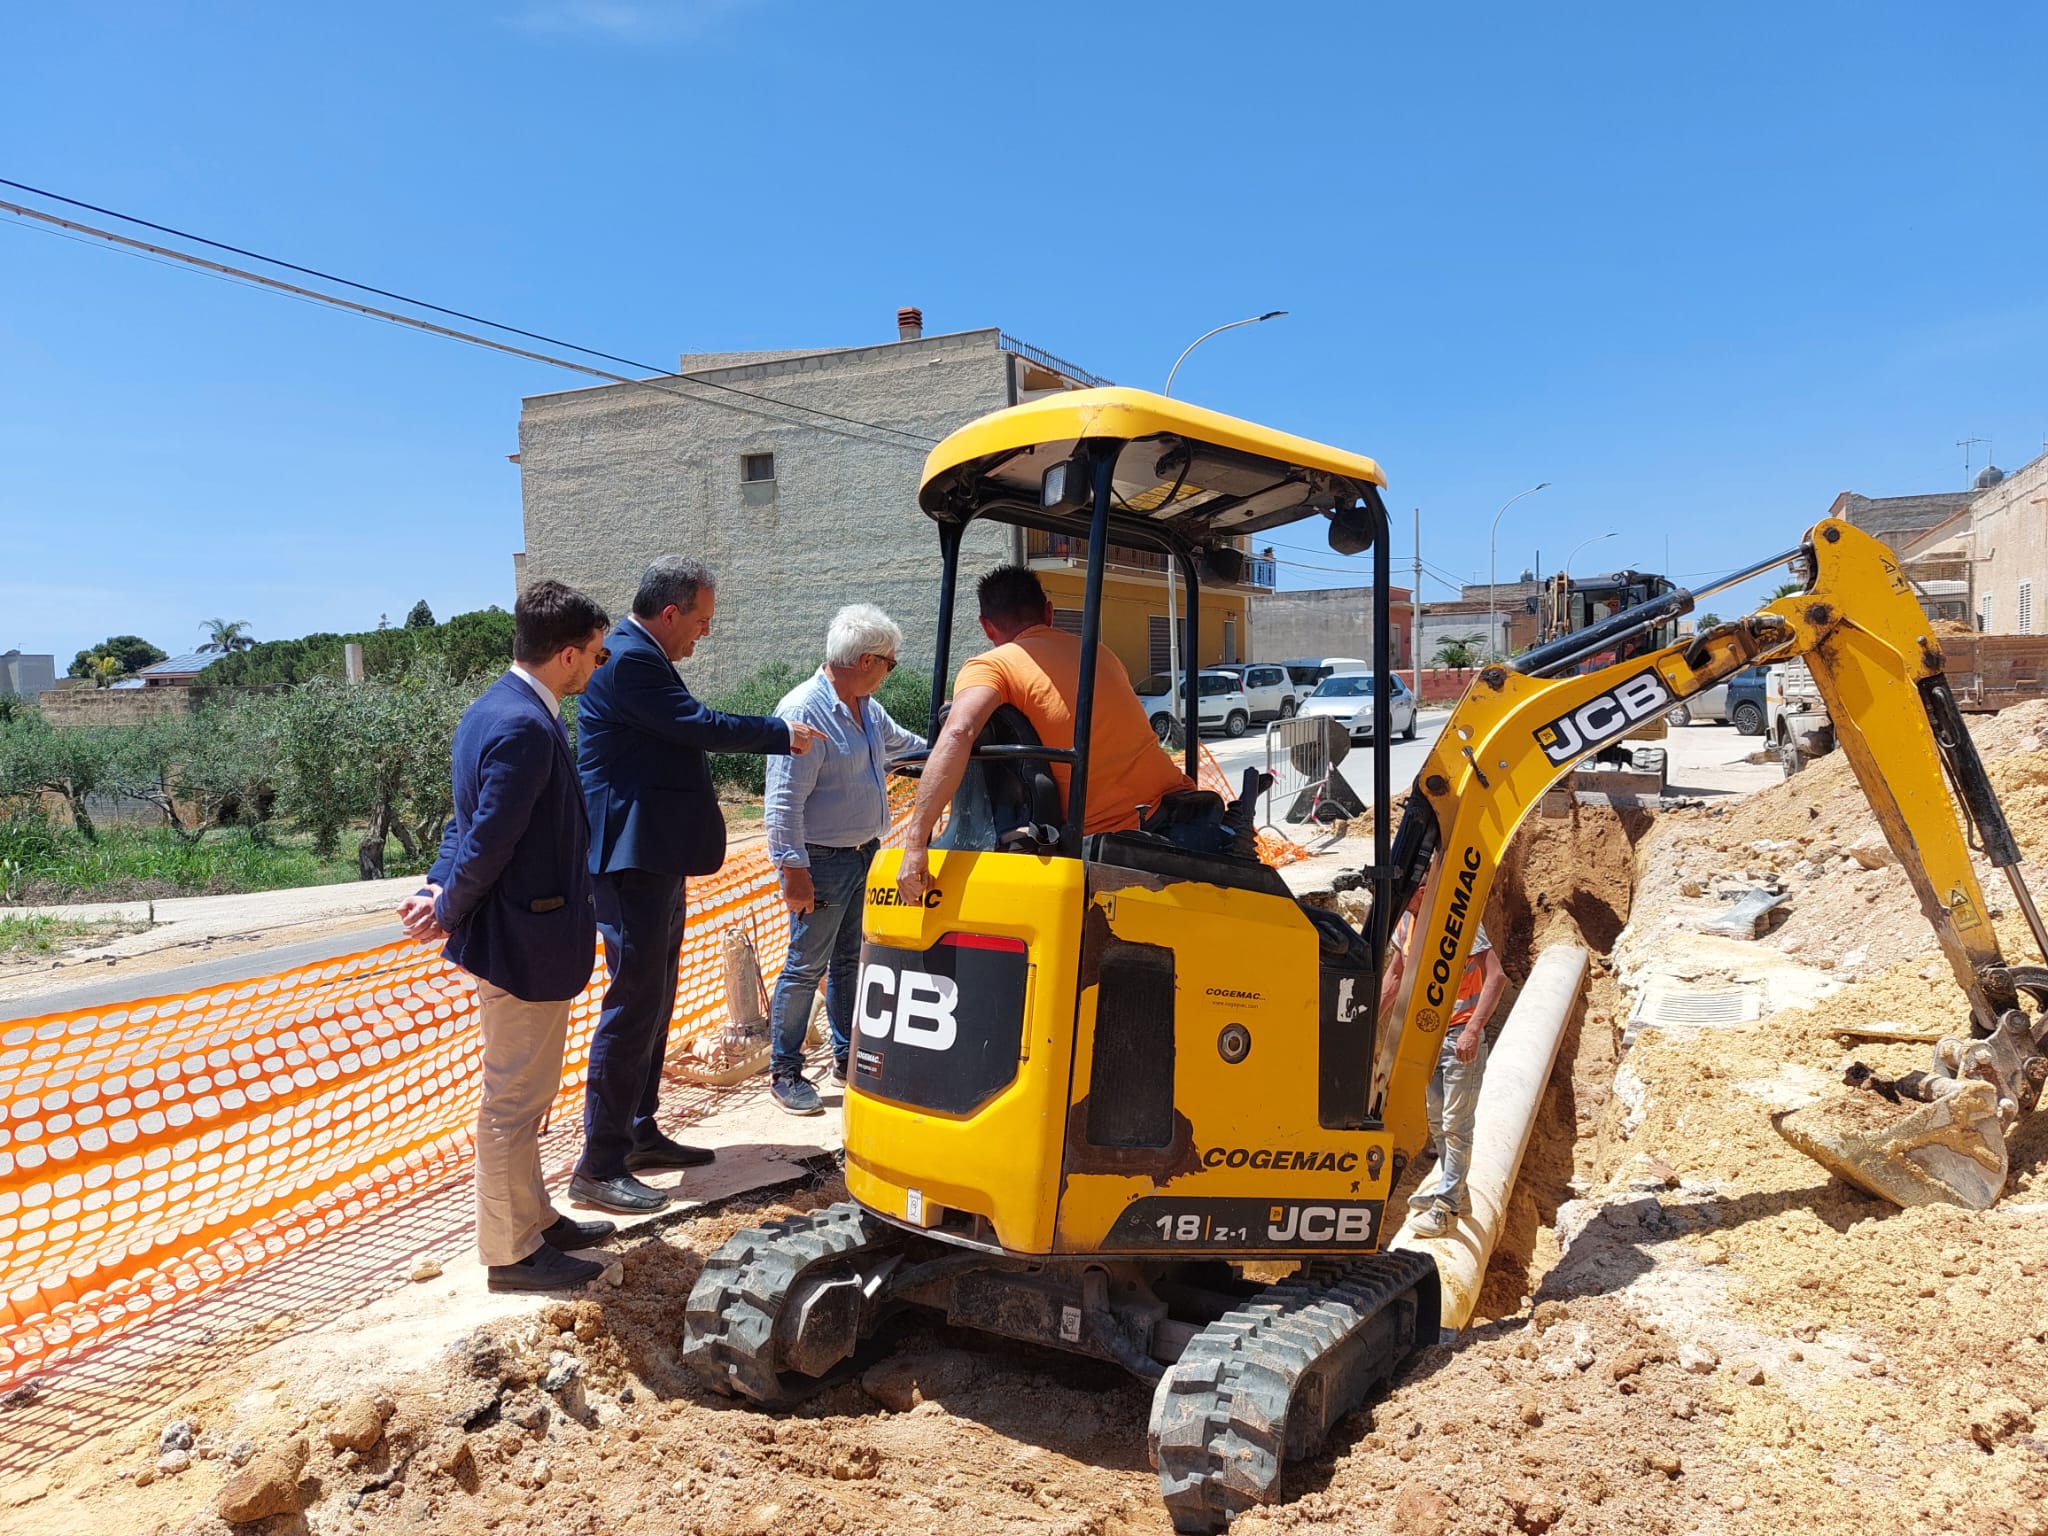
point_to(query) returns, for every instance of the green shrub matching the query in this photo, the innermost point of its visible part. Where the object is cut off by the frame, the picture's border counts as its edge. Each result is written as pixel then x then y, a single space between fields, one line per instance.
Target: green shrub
pixel 906 695
pixel 747 772
pixel 467 645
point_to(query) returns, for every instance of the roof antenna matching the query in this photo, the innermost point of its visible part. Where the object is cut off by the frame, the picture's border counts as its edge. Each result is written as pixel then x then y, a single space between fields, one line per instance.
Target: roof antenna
pixel 1966 444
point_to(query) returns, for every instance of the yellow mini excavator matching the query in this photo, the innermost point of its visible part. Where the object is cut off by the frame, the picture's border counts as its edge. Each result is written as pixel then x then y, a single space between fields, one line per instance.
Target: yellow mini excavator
pixel 1094 1076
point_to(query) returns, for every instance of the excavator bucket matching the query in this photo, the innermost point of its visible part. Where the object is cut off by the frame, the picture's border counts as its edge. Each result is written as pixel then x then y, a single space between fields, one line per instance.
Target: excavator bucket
pixel 1950 1151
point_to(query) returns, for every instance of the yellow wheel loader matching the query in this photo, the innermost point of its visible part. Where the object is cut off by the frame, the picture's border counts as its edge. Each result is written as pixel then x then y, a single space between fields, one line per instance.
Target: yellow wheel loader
pixel 1095 1076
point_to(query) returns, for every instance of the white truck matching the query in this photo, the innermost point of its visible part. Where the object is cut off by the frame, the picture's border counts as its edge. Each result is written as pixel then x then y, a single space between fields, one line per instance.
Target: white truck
pixel 1796 722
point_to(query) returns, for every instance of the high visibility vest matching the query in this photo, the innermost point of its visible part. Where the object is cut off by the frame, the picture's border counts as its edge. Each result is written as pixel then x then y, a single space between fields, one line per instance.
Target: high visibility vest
pixel 1470 984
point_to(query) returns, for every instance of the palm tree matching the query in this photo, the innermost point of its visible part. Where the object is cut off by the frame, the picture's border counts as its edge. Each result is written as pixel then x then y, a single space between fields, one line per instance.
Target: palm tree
pixel 226 637
pixel 1459 651
pixel 105 668
pixel 1787 589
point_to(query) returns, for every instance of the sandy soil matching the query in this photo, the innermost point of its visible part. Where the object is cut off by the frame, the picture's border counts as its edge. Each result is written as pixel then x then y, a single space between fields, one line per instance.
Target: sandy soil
pixel 1687 1326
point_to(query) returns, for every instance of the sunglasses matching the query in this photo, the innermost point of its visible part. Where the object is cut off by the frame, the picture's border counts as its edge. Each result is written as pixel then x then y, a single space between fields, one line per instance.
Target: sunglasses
pixel 604 654
pixel 887 661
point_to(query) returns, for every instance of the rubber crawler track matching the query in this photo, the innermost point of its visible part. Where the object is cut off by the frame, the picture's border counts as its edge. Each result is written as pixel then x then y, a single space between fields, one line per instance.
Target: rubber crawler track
pixel 729 1323
pixel 1220 1431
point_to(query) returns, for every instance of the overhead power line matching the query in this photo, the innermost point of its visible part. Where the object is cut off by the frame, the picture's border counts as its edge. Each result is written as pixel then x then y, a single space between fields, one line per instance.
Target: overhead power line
pixel 662 382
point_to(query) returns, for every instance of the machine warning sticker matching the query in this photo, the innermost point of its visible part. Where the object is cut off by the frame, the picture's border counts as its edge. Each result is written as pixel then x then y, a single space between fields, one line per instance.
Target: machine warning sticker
pixel 1620 709
pixel 1157 1222
pixel 1961 910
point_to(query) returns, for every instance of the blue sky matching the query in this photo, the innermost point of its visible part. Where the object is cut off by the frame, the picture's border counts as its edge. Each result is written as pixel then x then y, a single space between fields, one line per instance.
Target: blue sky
pixel 1700 268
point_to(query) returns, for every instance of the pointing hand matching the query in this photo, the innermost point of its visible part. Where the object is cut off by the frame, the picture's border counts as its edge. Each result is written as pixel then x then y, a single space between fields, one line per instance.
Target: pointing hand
pixel 801 736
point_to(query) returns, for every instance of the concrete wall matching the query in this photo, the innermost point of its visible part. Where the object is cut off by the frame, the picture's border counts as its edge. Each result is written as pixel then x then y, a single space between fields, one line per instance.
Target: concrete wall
pixel 613 477
pixel 116 706
pixel 2009 535
pixel 1434 628
pixel 27 675
pixel 1335 621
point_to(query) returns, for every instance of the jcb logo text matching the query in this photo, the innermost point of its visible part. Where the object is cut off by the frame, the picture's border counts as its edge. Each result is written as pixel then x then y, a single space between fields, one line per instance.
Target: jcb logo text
pixel 914 1007
pixel 1621 708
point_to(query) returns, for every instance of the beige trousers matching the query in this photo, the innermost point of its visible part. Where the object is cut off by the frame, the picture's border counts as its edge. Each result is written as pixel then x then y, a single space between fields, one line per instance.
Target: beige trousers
pixel 522 1074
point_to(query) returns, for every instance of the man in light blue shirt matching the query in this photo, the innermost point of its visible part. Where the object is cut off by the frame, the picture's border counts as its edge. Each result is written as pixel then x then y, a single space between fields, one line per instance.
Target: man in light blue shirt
pixel 826 814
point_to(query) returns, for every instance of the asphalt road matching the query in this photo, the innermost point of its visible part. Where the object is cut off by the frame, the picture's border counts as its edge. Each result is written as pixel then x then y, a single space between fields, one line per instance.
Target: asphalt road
pixel 114 987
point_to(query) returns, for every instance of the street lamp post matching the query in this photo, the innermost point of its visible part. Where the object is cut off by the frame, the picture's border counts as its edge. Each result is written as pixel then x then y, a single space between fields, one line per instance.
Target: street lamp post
pixel 1491 596
pixel 1172 622
pixel 1575 549
pixel 1271 314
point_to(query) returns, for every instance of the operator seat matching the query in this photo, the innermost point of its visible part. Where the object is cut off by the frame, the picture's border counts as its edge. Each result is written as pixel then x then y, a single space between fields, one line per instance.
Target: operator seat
pixel 998 799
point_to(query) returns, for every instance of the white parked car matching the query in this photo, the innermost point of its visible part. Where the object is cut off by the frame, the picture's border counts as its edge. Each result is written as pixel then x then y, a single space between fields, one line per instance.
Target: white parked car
pixel 1268 688
pixel 1349 696
pixel 1220 703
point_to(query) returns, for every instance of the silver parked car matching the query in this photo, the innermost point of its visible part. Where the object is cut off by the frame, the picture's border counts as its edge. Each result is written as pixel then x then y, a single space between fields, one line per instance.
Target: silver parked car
pixel 1349 696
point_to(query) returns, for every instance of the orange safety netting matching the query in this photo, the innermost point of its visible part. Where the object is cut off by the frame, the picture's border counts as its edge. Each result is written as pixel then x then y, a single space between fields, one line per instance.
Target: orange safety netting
pixel 154 1150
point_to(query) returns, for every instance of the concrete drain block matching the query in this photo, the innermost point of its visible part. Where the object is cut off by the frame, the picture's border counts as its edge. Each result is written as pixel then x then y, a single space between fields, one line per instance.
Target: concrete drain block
pixel 1668 1002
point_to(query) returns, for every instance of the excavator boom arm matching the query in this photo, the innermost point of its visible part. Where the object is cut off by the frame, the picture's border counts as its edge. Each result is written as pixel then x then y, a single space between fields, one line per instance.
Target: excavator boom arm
pixel 1514 735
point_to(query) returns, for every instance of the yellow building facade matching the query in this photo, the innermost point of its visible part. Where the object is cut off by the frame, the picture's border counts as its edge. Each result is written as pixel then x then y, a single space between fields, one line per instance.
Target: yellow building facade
pixel 1134 617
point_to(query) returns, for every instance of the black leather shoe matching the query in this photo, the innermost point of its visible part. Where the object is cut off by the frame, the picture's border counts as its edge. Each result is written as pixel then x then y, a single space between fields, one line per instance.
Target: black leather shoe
pixel 663 1153
pixel 624 1194
pixel 547 1268
pixel 569 1234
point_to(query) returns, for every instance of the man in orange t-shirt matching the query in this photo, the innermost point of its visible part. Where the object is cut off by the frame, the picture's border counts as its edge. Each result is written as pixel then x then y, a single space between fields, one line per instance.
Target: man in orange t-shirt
pixel 1037 669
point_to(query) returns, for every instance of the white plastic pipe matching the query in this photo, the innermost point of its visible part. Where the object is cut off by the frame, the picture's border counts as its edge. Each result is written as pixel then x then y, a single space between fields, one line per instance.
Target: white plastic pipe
pixel 1517 1073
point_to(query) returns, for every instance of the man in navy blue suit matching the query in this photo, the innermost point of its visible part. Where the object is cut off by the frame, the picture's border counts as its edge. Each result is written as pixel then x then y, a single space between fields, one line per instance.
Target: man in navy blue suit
pixel 511 894
pixel 654 819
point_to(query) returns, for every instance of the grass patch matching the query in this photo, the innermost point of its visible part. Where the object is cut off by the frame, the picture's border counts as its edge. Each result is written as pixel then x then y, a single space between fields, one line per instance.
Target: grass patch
pixel 33 937
pixel 145 864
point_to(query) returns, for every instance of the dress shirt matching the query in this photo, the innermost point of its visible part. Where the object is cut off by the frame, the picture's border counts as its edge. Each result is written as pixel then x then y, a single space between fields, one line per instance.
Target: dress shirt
pixel 546 694
pixel 837 794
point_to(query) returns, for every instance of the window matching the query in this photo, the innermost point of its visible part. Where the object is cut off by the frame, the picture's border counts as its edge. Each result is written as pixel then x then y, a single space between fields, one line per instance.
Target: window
pixel 1984 613
pixel 756 467
pixel 2026 608
pixel 1067 620
pixel 1159 648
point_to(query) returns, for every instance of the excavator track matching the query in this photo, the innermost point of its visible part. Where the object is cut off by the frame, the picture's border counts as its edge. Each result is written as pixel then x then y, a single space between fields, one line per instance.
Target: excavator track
pixel 1265 1383
pixel 733 1325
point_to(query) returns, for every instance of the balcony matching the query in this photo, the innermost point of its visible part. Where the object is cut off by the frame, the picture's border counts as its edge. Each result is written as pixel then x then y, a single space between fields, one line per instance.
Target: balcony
pixel 1061 549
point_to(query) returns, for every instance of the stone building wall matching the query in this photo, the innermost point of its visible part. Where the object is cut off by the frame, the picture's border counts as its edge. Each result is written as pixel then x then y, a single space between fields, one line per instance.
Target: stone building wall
pixel 614 476
pixel 2009 538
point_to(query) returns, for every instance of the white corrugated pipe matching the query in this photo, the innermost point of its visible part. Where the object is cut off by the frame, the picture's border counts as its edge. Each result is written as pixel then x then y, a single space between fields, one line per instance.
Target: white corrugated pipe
pixel 1517 1073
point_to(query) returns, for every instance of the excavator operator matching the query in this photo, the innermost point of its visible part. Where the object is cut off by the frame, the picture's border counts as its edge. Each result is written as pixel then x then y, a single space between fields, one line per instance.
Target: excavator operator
pixel 1037 669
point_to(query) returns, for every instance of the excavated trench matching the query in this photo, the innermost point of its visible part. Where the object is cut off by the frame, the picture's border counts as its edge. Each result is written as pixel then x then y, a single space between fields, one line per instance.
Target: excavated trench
pixel 1565 881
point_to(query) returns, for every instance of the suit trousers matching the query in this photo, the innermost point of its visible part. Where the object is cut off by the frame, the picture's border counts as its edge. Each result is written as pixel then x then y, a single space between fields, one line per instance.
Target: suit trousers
pixel 640 917
pixel 522 1074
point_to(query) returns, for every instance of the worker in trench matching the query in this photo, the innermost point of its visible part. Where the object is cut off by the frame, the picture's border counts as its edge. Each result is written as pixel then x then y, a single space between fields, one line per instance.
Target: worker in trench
pixel 1453 1097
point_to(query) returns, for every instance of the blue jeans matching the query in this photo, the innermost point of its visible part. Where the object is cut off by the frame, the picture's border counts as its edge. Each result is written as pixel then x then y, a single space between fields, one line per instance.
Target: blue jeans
pixel 824 941
pixel 1453 1104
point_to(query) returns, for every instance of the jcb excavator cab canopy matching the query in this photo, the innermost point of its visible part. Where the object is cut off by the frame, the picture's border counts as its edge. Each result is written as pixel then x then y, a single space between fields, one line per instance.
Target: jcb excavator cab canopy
pixel 1123 466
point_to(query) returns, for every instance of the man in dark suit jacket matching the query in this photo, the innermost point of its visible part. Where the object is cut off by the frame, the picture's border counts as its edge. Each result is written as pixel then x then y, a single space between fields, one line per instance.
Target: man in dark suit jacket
pixel 511 894
pixel 654 819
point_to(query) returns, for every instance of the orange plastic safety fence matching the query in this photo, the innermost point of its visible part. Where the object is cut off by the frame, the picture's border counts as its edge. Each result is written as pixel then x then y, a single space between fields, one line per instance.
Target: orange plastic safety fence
pixel 156 1149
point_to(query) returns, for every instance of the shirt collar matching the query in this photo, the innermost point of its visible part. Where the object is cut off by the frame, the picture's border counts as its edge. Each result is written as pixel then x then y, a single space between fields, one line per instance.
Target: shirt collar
pixel 857 710
pixel 546 694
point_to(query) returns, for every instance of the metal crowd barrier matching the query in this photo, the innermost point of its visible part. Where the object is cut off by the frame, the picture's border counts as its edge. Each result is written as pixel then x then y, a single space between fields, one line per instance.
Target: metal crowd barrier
pixel 1302 754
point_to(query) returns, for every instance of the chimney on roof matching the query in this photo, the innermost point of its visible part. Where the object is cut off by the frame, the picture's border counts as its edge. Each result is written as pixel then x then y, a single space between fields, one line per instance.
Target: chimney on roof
pixel 910 323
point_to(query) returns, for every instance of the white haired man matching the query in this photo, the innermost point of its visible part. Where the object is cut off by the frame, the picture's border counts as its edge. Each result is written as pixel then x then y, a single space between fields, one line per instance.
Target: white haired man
pixel 826 814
